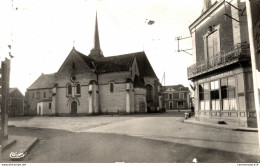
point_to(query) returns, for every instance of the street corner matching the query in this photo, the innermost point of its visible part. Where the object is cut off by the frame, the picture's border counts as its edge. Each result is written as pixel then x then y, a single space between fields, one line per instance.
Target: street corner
pixel 20 149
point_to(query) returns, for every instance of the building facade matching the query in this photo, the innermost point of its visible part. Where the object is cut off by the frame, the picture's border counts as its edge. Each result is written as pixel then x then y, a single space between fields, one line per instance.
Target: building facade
pixel 221 72
pixel 176 97
pixel 95 84
pixel 16 102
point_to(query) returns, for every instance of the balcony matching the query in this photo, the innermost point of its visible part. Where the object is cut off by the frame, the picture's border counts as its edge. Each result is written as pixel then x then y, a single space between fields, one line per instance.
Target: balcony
pixel 239 53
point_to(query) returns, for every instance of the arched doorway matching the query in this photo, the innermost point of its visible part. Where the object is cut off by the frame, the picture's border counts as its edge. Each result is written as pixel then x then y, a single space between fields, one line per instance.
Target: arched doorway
pixel 73 107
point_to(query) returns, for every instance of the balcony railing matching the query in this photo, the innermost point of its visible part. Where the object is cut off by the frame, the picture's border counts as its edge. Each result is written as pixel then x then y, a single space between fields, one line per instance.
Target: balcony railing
pixel 239 53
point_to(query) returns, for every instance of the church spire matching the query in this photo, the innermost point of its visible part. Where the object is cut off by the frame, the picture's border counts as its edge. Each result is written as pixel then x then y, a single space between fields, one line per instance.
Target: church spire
pixel 96 51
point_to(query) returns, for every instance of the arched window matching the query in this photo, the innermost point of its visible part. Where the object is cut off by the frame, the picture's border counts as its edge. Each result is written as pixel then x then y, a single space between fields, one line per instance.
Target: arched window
pixel 149 93
pixel 69 89
pixel 111 87
pixel 78 89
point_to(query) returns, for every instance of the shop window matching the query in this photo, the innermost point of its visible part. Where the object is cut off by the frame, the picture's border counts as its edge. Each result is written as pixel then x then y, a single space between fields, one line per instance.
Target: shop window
pixel 204 96
pixel 214 95
pixel 228 94
pixel 180 104
pixel 250 101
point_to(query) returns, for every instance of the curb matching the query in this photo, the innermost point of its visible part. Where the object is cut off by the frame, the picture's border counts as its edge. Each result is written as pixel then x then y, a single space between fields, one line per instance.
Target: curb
pixel 227 127
pixel 23 152
pixel 7 145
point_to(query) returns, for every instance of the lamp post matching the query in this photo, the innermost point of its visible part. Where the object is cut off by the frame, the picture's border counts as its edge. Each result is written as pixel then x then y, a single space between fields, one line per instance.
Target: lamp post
pixel 255 57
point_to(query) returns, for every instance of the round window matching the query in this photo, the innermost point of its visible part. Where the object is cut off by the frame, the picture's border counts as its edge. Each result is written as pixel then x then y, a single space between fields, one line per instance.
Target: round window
pixel 73 78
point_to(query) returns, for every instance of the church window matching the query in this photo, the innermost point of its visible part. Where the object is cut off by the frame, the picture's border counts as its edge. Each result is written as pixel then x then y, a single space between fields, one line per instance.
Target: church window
pixel 44 94
pixel 73 65
pixel 149 93
pixel 49 105
pixel 69 89
pixel 111 87
pixel 78 89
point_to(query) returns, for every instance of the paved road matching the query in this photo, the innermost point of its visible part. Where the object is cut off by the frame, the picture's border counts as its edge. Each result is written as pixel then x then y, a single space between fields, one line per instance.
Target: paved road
pixel 137 138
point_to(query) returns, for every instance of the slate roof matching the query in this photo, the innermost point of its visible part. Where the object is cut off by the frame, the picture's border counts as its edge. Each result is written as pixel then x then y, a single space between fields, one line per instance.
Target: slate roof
pixel 11 90
pixel 119 63
pixel 102 65
pixel 43 82
pixel 176 87
pixel 114 63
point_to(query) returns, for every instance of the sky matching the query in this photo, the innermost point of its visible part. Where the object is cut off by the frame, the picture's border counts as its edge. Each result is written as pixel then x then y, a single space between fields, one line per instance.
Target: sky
pixel 44 32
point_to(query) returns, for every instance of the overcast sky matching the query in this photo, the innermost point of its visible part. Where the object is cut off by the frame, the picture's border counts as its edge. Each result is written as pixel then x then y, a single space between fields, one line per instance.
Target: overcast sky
pixel 44 31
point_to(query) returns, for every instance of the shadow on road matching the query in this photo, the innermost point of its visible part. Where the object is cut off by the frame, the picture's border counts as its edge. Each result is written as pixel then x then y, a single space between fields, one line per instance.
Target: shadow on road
pixel 63 146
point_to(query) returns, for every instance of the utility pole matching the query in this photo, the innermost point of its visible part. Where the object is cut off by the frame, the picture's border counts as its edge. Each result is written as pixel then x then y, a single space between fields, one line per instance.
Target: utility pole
pixel 5 75
pixel 255 57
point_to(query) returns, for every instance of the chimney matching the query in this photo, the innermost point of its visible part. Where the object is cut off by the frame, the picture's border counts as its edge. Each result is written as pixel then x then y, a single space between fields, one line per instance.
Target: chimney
pixel 206 5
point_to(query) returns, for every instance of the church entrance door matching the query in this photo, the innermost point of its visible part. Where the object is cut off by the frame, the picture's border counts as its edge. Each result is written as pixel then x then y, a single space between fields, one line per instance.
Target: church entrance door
pixel 73 108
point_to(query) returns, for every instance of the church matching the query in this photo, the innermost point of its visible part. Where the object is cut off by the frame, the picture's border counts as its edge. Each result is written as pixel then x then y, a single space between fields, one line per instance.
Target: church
pixel 95 84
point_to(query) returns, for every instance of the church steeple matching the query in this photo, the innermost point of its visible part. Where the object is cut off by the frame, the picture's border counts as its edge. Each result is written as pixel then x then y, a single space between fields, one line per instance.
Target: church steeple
pixel 96 51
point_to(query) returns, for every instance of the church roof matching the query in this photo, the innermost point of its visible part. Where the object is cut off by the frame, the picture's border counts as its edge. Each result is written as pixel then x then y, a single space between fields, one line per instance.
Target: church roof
pixel 120 63
pixel 114 63
pixel 43 82
pixel 144 66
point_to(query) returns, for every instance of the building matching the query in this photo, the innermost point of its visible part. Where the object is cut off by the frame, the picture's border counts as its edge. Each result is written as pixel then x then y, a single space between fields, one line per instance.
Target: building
pixel 16 102
pixel 95 84
pixel 176 97
pixel 221 72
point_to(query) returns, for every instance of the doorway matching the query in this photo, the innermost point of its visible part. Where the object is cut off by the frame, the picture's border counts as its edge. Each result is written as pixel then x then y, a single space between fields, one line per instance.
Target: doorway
pixel 73 108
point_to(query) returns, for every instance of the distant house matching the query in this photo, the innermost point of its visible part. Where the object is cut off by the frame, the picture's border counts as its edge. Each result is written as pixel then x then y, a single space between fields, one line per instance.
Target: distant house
pixel 16 102
pixel 176 97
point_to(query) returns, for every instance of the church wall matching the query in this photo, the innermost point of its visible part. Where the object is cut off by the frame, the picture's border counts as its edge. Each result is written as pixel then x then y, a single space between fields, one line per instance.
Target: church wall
pixel 83 78
pixel 139 100
pixel 64 101
pixel 111 102
pixel 117 77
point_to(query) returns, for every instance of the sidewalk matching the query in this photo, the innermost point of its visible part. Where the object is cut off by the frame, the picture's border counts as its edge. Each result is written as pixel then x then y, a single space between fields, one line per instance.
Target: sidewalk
pixel 22 145
pixel 192 120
